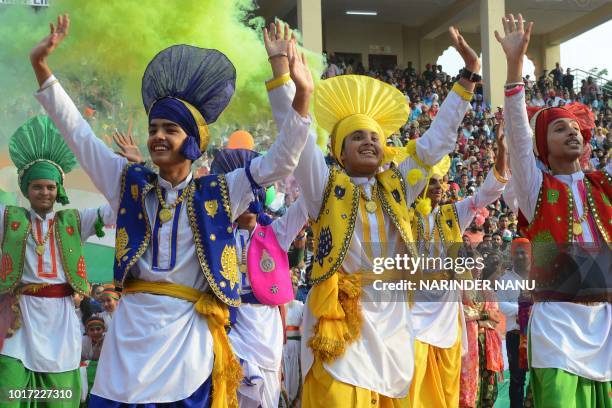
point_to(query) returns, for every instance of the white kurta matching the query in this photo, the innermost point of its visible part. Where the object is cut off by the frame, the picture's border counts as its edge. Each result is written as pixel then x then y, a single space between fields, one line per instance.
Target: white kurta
pixel 107 317
pixel 158 348
pixel 434 320
pixel 508 300
pixel 89 350
pixel 291 350
pixel 573 337
pixel 257 335
pixel 49 339
pixel 381 360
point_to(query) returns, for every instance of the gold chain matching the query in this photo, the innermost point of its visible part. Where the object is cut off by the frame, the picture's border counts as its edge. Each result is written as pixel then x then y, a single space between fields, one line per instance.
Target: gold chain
pixel 370 204
pixel 40 246
pixel 165 213
pixel 243 262
pixel 577 227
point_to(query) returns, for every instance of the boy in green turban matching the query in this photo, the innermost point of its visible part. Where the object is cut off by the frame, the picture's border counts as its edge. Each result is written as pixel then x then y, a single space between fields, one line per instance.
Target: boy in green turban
pixel 42 265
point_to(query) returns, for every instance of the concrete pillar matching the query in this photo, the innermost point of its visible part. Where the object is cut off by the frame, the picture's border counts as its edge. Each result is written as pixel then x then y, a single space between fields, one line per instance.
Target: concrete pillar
pixel 310 24
pixel 551 54
pixel 493 57
pixel 427 54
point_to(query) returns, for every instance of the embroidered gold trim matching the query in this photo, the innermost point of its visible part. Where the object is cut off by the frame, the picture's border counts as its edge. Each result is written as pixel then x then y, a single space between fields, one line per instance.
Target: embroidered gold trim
pixel 595 214
pixel 60 245
pixel 333 171
pixel 337 263
pixel 23 243
pixel 225 196
pixel 197 241
pixel 145 242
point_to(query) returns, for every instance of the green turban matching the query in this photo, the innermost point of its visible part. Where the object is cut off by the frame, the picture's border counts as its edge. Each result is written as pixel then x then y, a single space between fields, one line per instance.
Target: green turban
pixel 40 153
pixel 44 170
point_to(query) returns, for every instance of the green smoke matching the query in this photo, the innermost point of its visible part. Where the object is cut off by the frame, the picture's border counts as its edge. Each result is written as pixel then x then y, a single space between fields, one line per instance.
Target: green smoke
pixel 110 43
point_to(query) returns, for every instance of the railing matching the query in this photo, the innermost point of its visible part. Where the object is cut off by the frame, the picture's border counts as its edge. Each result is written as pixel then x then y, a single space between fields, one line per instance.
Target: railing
pixel 604 83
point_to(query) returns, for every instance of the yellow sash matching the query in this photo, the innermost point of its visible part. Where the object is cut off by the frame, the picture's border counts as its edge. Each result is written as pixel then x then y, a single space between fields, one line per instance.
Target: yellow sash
pixel 227 372
pixel 335 298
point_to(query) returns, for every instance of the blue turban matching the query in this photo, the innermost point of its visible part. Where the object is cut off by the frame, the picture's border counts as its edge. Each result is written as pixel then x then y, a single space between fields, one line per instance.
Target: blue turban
pixel 190 86
pixel 176 111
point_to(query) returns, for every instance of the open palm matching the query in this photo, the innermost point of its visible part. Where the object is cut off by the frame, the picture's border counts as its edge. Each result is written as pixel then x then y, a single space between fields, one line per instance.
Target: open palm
pixel 298 68
pixel 470 58
pixel 56 35
pixel 516 37
pixel 276 38
pixel 129 148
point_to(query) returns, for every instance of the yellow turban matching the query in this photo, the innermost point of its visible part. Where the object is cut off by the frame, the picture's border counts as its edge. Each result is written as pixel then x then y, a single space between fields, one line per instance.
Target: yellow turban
pixel 423 203
pixel 441 168
pixel 347 103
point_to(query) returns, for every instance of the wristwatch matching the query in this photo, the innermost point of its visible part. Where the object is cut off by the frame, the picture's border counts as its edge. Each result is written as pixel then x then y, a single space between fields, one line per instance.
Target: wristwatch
pixel 470 76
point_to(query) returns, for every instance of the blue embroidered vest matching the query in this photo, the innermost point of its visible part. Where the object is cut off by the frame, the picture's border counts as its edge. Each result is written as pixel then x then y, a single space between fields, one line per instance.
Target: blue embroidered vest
pixel 209 213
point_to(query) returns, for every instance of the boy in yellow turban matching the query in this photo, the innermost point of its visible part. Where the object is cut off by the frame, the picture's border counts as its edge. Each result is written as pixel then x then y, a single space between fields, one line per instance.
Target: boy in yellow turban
pixel 437 316
pixel 357 350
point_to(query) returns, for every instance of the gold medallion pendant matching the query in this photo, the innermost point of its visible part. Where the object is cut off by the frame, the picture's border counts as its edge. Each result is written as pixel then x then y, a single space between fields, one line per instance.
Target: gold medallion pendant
pixel 243 268
pixel 577 229
pixel 371 206
pixel 40 250
pixel 165 215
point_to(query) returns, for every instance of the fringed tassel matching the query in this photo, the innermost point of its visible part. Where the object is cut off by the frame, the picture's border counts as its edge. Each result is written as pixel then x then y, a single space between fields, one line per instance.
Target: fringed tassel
pixel 99 226
pixel 335 331
pixel 17 316
pixel 349 296
pixel 227 372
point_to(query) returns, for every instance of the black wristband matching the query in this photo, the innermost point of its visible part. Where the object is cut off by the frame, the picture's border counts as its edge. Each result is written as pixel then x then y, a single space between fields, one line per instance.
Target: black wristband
pixel 470 76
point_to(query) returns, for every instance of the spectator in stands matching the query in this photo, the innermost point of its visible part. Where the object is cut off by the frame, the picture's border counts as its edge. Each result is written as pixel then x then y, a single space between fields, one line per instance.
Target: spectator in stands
pixel 332 69
pixel 592 90
pixel 568 81
pixel 557 75
pixel 538 100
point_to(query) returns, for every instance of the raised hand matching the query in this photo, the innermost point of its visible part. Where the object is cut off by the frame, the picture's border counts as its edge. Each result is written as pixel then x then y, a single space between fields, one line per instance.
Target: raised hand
pixel 501 136
pixel 39 54
pixel 298 68
pixel 129 148
pixel 501 159
pixel 48 44
pixel 276 39
pixel 516 37
pixel 470 58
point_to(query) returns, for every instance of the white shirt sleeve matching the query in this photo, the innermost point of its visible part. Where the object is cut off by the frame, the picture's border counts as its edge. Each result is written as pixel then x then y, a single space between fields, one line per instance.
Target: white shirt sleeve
pixel 525 173
pixel 291 223
pixel 490 190
pixel 438 141
pixel 101 164
pixel 277 164
pixel 312 172
pixel 89 216
pixel 281 98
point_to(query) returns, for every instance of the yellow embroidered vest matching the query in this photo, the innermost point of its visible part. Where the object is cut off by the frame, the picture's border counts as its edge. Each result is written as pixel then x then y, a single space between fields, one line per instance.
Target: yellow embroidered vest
pixel 334 227
pixel 446 231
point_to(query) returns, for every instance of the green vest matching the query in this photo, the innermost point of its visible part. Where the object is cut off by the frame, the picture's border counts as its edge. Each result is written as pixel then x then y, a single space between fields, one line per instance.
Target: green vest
pixel 17 227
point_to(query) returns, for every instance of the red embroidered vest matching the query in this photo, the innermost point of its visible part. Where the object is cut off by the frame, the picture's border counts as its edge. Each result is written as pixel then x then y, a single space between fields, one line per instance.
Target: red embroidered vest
pixel 552 224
